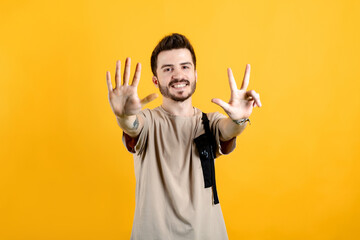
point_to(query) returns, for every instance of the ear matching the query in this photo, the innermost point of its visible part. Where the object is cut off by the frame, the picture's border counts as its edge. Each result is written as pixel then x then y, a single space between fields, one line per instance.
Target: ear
pixel 155 81
pixel 195 76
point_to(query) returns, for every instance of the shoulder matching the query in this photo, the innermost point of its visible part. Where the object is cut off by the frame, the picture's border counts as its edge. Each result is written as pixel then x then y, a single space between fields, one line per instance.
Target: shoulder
pixel 149 114
pixel 215 116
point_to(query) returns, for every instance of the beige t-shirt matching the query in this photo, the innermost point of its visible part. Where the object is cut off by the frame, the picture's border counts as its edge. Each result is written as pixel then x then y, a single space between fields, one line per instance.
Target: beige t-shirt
pixel 171 200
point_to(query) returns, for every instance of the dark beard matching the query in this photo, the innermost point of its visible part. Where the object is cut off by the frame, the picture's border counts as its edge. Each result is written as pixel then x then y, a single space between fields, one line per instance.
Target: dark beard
pixel 166 92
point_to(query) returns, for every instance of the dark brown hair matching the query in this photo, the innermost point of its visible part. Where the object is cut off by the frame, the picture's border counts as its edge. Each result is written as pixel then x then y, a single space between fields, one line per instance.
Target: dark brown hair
pixel 173 41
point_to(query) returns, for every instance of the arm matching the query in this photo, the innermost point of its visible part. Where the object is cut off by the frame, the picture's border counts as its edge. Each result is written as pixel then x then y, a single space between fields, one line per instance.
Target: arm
pixel 131 125
pixel 228 129
pixel 124 100
pixel 239 107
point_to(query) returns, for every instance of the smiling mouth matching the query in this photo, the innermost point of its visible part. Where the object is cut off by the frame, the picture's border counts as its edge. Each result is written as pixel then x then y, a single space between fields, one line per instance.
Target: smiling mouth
pixel 181 84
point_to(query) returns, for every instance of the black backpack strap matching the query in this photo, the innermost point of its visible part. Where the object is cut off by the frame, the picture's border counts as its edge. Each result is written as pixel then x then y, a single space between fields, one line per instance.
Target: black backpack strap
pixel 209 134
pixel 212 141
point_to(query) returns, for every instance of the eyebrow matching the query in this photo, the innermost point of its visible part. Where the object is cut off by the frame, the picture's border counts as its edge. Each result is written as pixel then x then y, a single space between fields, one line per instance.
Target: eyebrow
pixel 170 65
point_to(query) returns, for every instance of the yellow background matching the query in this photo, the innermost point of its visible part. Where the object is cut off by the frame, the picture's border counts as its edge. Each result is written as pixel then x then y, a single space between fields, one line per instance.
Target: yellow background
pixel 64 173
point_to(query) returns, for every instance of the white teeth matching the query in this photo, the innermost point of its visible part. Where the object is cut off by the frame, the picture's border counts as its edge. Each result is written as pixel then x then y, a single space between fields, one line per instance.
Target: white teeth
pixel 179 85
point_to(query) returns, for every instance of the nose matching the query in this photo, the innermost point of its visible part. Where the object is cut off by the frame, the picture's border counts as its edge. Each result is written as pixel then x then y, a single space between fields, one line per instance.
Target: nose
pixel 177 74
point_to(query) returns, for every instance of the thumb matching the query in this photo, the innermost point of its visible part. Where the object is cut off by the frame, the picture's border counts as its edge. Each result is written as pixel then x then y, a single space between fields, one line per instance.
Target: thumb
pixel 148 99
pixel 221 103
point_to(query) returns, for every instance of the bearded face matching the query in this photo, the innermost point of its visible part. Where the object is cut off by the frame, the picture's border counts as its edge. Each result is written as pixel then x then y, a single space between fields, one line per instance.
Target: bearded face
pixel 176 74
pixel 179 87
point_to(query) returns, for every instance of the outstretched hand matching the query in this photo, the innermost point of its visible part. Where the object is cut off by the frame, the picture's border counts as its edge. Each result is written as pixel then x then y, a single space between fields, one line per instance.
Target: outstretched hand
pixel 241 101
pixel 124 100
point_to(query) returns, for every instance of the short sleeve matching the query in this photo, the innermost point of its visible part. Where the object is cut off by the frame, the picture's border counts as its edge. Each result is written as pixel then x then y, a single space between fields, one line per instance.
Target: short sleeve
pixel 224 147
pixel 138 144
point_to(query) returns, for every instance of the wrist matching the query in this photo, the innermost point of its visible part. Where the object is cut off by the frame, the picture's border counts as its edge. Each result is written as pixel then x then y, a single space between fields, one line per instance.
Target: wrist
pixel 124 116
pixel 241 121
pixel 125 120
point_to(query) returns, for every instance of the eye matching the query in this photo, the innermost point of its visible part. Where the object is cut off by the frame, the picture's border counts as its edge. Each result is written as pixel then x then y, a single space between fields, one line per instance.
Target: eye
pixel 167 69
pixel 185 67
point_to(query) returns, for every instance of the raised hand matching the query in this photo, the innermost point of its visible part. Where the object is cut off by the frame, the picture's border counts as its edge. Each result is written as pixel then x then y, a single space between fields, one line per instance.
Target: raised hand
pixel 241 101
pixel 124 100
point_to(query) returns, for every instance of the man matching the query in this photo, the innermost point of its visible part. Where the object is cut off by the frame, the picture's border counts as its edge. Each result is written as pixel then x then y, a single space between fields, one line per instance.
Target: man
pixel 176 194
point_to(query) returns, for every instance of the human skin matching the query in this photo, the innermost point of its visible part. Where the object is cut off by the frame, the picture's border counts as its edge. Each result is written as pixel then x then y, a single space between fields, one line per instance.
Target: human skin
pixel 176 74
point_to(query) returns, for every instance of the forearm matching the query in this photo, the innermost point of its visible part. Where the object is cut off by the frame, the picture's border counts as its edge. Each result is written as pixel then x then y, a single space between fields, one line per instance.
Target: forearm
pixel 229 129
pixel 131 125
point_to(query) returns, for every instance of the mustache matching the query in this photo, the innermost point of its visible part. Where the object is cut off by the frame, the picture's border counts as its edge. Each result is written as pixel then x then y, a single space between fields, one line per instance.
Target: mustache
pixel 179 81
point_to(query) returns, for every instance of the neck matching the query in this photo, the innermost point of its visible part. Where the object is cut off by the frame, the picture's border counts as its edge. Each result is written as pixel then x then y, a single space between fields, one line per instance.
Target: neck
pixel 176 108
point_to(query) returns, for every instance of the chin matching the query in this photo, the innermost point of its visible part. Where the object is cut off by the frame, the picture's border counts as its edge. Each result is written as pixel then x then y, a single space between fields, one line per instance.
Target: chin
pixel 178 97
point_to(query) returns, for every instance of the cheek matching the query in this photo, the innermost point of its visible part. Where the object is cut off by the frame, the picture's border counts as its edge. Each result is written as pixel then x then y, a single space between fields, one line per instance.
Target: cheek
pixel 162 82
pixel 164 78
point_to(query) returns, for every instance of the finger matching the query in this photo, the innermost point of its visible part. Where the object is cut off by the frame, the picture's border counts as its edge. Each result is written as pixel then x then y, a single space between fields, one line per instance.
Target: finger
pixel 108 81
pixel 117 74
pixel 136 78
pixel 148 99
pixel 127 71
pixel 254 96
pixel 221 103
pixel 246 80
pixel 232 82
pixel 257 100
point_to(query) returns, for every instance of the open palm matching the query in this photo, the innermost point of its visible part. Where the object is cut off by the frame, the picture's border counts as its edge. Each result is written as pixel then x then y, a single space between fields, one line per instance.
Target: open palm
pixel 241 101
pixel 124 100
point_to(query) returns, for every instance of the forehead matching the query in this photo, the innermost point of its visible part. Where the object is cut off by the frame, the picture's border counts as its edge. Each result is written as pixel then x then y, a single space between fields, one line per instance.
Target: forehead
pixel 174 56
